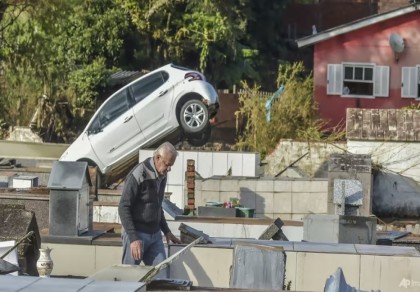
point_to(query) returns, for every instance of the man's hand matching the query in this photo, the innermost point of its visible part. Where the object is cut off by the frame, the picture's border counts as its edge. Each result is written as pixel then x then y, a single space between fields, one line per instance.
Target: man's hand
pixel 170 237
pixel 136 249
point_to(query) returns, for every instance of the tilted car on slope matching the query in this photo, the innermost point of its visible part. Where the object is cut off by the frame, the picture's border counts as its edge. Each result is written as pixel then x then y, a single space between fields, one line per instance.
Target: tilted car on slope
pixel 169 101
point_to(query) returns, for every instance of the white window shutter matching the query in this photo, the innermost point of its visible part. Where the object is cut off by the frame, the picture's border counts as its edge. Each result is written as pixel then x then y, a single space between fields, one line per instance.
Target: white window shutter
pixel 335 79
pixel 409 82
pixel 381 81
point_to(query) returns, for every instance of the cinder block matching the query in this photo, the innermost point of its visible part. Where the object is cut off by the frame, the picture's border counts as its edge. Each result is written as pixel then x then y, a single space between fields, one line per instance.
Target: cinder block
pixel 264 185
pixel 247 199
pixel 235 163
pixel 282 203
pixel 229 185
pixel 198 184
pixel 301 186
pixel 264 203
pixel 281 186
pixel 306 203
pixel 251 164
pixel 199 198
pixel 220 163
pixel 248 184
pixel 209 196
pixel 24 181
pixel 225 196
pixel 318 186
pixel 211 185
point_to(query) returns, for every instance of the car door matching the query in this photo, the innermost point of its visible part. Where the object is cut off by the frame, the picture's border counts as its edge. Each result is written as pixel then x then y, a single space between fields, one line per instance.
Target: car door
pixel 114 132
pixel 153 99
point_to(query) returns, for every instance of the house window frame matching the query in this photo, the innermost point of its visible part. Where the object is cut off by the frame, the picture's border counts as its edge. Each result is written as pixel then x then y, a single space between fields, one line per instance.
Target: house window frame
pixel 372 81
pixel 380 80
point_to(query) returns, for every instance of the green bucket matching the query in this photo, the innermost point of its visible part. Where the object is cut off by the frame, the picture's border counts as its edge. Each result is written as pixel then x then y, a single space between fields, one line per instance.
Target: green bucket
pixel 244 212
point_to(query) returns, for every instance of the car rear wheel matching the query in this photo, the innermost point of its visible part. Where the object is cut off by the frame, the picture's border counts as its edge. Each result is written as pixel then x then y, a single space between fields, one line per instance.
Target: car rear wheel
pixel 194 116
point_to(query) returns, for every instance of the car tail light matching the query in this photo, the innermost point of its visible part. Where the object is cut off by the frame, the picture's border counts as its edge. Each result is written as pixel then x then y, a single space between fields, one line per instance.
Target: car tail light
pixel 191 76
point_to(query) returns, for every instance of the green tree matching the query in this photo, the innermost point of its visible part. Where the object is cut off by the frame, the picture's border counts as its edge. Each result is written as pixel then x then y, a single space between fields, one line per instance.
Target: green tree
pixel 64 49
pixel 199 34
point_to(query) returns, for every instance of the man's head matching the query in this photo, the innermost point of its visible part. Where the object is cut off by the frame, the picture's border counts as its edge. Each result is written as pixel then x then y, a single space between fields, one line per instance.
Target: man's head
pixel 164 157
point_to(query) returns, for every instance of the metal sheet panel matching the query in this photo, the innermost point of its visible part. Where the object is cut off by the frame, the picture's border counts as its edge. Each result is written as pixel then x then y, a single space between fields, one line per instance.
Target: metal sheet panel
pixel 258 267
pixel 69 175
pixel 63 213
pixel 36 284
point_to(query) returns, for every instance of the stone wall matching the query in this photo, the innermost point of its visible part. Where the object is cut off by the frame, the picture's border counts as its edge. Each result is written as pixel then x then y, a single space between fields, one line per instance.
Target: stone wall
pixel 286 198
pixel 383 124
pixel 314 157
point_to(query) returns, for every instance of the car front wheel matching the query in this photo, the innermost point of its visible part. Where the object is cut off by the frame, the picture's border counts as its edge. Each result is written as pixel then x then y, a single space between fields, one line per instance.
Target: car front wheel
pixel 194 116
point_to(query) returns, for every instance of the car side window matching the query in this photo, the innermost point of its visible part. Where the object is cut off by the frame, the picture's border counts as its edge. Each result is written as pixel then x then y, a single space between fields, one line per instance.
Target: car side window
pixel 147 85
pixel 115 107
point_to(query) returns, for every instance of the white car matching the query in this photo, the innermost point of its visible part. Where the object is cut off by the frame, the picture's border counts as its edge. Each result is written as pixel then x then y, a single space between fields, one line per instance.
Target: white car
pixel 171 100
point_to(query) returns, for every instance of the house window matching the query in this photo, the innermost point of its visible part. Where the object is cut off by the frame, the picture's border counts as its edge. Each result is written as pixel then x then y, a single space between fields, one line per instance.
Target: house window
pixel 410 82
pixel 360 80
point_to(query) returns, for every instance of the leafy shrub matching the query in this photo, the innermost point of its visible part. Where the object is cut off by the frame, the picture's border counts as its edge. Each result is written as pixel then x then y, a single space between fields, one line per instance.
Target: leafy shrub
pixel 293 113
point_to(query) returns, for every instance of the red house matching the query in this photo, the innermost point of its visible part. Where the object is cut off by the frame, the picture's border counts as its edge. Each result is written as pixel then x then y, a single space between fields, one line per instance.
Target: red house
pixel 373 62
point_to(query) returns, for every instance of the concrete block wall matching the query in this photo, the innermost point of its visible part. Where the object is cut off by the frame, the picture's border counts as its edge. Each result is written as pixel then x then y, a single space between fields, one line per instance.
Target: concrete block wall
pixel 307 265
pixel 207 164
pixel 287 198
pixel 308 268
pixel 399 157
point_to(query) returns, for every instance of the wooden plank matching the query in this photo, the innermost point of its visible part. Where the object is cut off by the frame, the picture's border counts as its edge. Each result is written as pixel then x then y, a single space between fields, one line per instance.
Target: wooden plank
pixel 366 124
pixel 353 125
pixel 408 125
pixel 416 125
pixel 349 123
pixel 383 130
pixel 401 135
pixel 392 125
pixel 376 125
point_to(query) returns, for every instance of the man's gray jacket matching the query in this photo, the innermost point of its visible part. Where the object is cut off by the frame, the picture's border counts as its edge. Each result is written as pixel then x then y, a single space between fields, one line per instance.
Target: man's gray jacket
pixel 140 207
